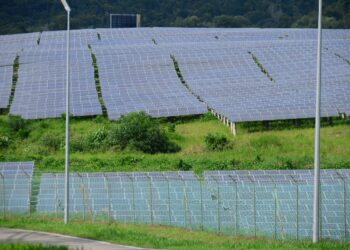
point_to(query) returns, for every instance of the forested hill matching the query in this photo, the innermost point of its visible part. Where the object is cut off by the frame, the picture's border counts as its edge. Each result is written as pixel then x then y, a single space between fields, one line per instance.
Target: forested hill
pixel 17 16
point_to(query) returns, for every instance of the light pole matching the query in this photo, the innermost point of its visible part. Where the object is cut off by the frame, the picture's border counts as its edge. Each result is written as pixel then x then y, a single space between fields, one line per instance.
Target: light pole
pixel 316 214
pixel 66 183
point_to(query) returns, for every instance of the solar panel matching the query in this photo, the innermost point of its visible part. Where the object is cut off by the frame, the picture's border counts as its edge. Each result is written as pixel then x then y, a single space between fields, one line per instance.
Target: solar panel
pixel 5 85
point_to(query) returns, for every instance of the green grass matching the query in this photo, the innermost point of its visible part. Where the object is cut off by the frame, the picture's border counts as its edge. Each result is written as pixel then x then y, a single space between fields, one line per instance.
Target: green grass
pixel 282 146
pixel 159 237
pixel 27 246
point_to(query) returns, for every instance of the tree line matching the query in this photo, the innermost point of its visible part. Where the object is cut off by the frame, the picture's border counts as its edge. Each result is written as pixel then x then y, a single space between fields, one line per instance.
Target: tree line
pixel 19 16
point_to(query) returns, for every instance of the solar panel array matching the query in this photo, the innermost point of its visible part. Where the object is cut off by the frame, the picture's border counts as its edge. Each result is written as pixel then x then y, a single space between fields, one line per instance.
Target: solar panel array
pixel 15 183
pixel 41 87
pixel 272 203
pixel 242 74
pixel 142 79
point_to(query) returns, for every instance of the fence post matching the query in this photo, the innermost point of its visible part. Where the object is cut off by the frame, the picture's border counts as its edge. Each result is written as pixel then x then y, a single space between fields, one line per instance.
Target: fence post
pixel 201 190
pixel 56 195
pixel 151 197
pixel 185 201
pixel 236 204
pixel 169 204
pixel 108 196
pixel 133 197
pixel 297 204
pixel 3 195
pixel 29 189
pixel 344 204
pixel 254 203
pixel 275 205
pixel 218 204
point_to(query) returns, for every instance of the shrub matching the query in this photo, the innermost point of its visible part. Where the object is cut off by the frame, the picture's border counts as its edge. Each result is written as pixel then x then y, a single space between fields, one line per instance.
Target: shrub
pixel 15 123
pixel 171 127
pixel 4 141
pixel 140 132
pixel 216 142
pixel 183 166
pixel 23 133
pixel 51 141
pixel 97 139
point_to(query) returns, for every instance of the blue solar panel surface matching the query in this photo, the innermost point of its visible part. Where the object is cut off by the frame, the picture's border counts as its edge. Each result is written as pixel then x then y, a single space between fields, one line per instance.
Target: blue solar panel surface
pixel 219 65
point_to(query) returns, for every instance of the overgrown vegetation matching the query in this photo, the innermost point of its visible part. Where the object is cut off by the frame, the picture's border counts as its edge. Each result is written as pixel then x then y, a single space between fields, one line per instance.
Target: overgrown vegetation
pixel 343 58
pixel 160 237
pixel 97 79
pixel 47 14
pixel 278 145
pixel 140 132
pixel 182 79
pixel 27 246
pixel 216 142
pixel 261 67
pixel 14 80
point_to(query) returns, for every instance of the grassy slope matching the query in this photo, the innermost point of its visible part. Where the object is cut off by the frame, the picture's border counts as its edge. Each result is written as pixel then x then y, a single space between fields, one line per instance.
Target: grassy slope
pixel 160 237
pixel 277 149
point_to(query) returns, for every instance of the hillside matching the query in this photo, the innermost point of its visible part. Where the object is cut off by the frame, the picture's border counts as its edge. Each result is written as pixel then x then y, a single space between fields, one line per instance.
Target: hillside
pixel 278 145
pixel 20 16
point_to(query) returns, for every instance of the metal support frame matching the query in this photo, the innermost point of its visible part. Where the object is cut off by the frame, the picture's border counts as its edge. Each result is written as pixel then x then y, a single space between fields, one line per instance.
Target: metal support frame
pixel 218 204
pixel 185 202
pixel 151 198
pixel 108 196
pixel 56 195
pixel 169 199
pixel 236 204
pixel 254 204
pixel 344 205
pixel 133 198
pixel 3 195
pixel 29 189
pixel 297 204
pixel 202 208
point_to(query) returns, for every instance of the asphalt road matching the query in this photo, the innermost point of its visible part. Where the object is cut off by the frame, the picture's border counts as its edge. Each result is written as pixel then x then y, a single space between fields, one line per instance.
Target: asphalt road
pixel 26 236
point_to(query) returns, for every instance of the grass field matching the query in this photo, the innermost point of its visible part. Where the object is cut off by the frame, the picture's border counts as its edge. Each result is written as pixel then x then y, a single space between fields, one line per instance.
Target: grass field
pixel 282 145
pixel 160 237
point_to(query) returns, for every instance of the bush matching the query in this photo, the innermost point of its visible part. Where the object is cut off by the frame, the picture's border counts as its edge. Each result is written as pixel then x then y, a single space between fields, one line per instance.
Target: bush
pixel 183 166
pixel 15 123
pixel 23 133
pixel 216 142
pixel 140 132
pixel 51 141
pixel 97 139
pixel 4 141
pixel 171 127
